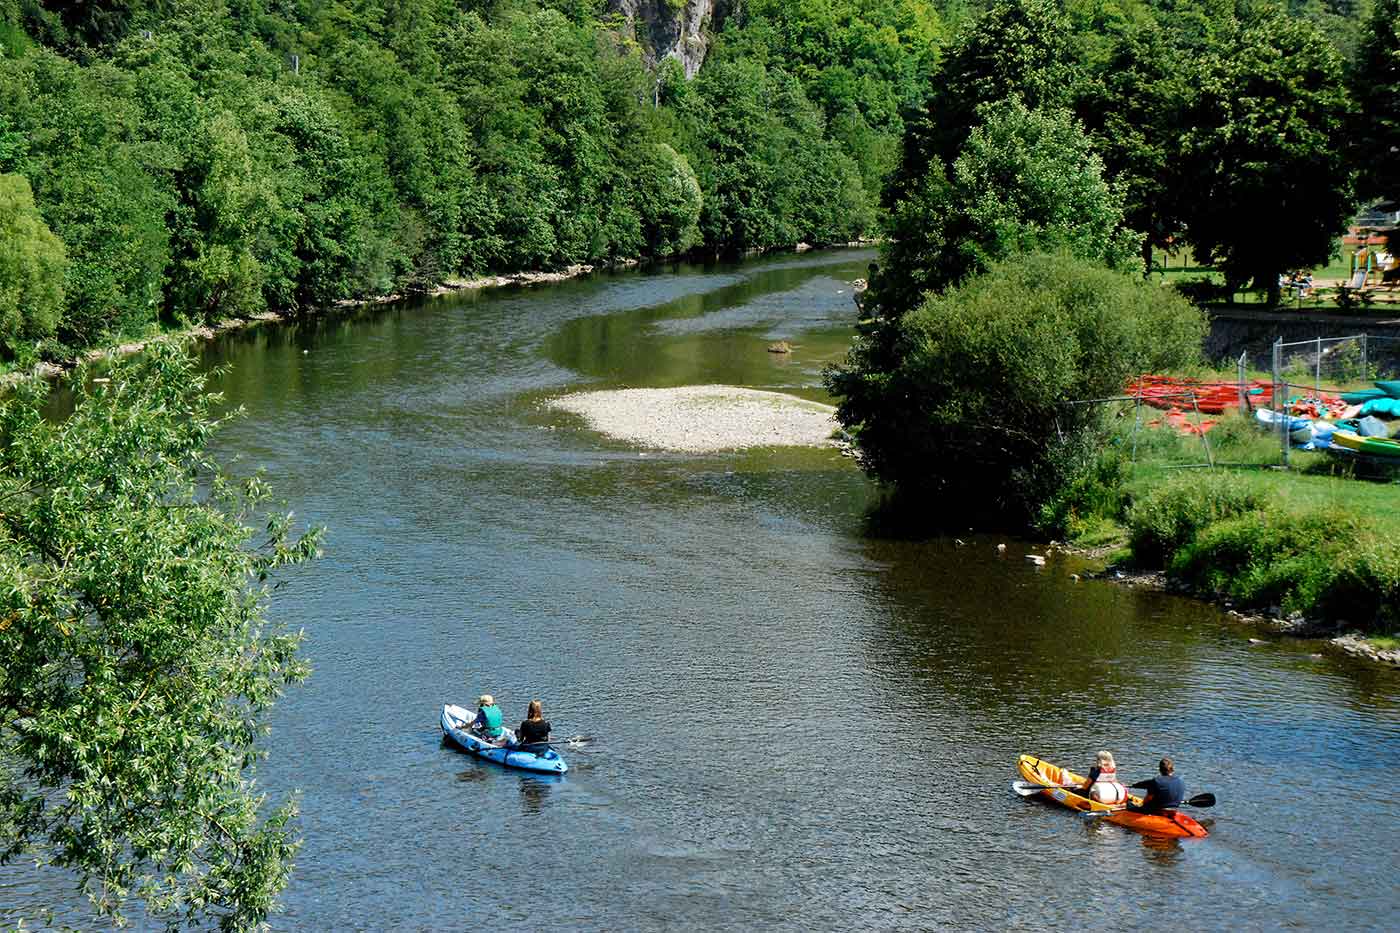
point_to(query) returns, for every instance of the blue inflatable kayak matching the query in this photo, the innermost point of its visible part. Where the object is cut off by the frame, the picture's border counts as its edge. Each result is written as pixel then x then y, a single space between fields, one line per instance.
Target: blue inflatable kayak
pixel 456 721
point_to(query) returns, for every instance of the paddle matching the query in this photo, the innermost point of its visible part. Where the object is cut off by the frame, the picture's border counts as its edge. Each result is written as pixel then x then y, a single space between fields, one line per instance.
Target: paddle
pixel 1200 800
pixel 1026 789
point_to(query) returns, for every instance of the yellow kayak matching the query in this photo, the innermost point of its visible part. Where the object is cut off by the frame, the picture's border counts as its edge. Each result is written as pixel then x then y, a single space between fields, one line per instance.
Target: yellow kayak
pixel 1066 792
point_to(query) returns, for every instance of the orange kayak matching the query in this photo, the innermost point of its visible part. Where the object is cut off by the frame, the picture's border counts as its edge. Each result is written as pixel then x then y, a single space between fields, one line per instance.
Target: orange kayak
pixel 1167 823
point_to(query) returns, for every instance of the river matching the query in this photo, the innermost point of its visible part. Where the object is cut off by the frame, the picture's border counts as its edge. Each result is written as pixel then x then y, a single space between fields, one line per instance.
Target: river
pixel 790 723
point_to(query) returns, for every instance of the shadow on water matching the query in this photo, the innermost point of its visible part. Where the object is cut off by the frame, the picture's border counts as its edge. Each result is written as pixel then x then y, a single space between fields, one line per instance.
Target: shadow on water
pixel 722 335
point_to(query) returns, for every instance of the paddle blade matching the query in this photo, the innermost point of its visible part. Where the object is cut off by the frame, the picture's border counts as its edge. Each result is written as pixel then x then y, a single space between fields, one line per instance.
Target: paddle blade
pixel 1202 800
pixel 1026 789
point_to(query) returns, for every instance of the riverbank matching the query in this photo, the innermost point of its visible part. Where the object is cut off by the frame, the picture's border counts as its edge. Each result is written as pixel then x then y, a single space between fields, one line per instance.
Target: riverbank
pixel 1383 650
pixel 1311 554
pixel 48 370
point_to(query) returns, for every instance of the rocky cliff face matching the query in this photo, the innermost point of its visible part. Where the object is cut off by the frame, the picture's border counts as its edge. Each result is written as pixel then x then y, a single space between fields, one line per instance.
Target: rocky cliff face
pixel 678 29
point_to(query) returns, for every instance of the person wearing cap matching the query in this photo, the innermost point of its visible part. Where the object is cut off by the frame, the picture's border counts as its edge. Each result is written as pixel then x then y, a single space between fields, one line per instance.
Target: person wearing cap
pixel 1164 791
pixel 488 718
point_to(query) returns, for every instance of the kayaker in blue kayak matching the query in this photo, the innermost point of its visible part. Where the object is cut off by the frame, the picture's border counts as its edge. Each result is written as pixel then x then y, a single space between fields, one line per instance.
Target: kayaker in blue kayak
pixel 1164 791
pixel 534 730
pixel 488 719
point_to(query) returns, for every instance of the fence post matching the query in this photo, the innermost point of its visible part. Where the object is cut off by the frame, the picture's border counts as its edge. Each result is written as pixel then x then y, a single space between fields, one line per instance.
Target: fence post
pixel 1210 460
pixel 1281 399
pixel 1241 372
pixel 1137 421
pixel 1317 371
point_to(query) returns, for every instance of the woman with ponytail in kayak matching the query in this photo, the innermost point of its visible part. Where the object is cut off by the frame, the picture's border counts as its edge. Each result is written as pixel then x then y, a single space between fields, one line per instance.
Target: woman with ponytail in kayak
pixel 1102 784
pixel 535 728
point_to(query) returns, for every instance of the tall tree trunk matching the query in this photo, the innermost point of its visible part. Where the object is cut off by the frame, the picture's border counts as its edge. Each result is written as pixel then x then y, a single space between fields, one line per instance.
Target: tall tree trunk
pixel 1270 282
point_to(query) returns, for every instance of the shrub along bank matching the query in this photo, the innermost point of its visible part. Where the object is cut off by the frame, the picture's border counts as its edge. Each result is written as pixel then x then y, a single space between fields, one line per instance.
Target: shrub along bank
pixel 1314 541
pixel 1293 542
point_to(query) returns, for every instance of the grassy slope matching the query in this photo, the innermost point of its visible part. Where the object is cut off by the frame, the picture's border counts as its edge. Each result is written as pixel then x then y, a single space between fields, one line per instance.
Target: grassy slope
pixel 1306 539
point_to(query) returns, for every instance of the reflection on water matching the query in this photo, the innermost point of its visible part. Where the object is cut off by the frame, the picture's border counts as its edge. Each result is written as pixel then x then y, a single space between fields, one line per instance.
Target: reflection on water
pixel 798 725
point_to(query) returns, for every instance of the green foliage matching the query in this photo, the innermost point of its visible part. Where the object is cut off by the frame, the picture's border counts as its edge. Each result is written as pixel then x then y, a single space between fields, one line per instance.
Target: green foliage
pixel 138 666
pixel 32 263
pixel 1331 564
pixel 1376 84
pixel 1016 50
pixel 94 183
pixel 1265 149
pixel 769 176
pixel 669 201
pixel 209 159
pixel 1088 488
pixel 1133 107
pixel 1011 65
pixel 972 414
pixel 864 63
pixel 1025 181
pixel 1203 291
pixel 1176 511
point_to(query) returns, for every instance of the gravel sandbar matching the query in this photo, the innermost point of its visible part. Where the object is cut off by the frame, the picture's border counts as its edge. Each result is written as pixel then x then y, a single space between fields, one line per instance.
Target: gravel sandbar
pixel 704 419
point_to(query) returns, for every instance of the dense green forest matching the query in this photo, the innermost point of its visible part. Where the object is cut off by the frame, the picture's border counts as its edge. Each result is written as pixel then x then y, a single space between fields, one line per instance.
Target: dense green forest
pixel 191 160
pixel 173 161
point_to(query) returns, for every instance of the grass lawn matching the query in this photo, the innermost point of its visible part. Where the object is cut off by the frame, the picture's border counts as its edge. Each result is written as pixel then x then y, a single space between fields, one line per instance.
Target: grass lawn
pixel 1314 481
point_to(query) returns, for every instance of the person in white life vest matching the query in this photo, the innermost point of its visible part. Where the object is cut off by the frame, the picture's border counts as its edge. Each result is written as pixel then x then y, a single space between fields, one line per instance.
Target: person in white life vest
pixel 1103 784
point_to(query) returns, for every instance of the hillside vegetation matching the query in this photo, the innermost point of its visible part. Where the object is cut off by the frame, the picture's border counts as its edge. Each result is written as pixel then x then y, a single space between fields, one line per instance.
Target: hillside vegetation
pixel 200 159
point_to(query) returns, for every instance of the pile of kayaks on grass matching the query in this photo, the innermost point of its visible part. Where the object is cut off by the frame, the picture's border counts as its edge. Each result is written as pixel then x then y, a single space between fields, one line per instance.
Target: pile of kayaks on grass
pixel 1187 401
pixel 1358 424
pixel 1061 785
pixel 456 725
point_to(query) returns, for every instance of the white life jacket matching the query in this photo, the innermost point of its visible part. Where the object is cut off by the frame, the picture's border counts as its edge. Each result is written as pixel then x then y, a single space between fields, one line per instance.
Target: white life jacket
pixel 1107 788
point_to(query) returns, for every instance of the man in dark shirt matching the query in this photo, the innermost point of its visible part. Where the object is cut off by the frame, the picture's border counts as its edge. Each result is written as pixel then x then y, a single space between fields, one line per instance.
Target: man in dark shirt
pixel 1164 791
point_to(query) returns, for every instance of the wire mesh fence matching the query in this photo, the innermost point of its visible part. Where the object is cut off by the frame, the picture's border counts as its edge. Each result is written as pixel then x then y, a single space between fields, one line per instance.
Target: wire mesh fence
pixel 1318 384
pixel 1307 394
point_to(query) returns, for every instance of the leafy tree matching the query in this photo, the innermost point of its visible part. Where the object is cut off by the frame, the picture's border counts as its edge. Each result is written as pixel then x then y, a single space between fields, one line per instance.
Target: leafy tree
pixel 94 184
pixel 1270 185
pixel 669 200
pixel 138 665
pixel 32 263
pixel 1376 85
pixel 1134 109
pixel 971 419
pixel 1017 49
pixel 222 211
pixel 1025 181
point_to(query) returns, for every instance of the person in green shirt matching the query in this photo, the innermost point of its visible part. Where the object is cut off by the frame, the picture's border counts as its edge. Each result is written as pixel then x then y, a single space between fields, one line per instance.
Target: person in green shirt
pixel 488 719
